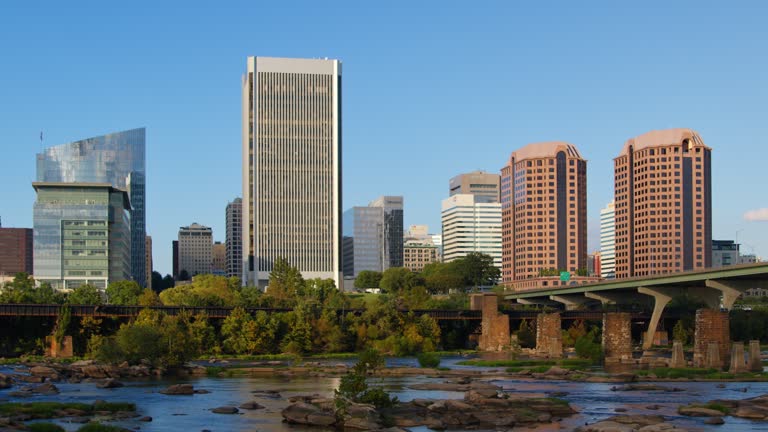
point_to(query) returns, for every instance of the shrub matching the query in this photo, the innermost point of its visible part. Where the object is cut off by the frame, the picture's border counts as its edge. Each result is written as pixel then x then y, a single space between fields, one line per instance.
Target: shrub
pixel 428 360
pixel 98 427
pixel 354 388
pixel 589 346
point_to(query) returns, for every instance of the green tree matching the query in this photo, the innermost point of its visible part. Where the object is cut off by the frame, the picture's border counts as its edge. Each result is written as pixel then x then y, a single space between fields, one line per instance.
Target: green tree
pixel 204 290
pixel 478 269
pixel 123 293
pixel 85 295
pixel 526 337
pixel 368 279
pixel 140 341
pixel 298 340
pixel 148 298
pixel 285 281
pixel 238 331
pixel 22 290
pixel 397 279
pixel 680 333
pixel 184 275
pixel 168 282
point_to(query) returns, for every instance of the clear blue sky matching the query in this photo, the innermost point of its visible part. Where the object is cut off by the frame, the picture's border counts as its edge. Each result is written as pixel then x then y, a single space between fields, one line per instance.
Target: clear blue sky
pixel 431 89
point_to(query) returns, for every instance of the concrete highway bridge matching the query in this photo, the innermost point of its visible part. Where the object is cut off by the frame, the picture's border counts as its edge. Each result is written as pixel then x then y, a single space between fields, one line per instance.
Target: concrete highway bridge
pixel 717 288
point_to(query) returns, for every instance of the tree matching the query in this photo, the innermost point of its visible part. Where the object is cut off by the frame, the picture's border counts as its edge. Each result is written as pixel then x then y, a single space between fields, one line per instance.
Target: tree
pixel 238 330
pixel 478 269
pixel 441 278
pixel 368 279
pixel 168 282
pixel 123 293
pixel 85 295
pixel 396 279
pixel 160 283
pixel 184 275
pixel 285 281
pixel 22 290
pixel 680 333
pixel 149 298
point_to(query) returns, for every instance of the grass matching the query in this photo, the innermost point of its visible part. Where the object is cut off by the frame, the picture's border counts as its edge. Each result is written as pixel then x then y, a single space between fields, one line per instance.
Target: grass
pixel 532 365
pixel 713 406
pixel 38 359
pixel 693 373
pixel 47 410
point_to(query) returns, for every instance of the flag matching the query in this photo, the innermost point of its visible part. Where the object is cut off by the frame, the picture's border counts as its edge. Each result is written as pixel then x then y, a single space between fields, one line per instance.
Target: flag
pixel 41 136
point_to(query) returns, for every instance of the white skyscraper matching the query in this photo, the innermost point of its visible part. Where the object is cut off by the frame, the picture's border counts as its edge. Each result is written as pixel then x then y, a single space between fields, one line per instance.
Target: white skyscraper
pixel 608 241
pixel 471 226
pixel 291 167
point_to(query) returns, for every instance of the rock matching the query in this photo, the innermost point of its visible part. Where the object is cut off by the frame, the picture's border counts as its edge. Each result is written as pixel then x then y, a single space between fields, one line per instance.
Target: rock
pixel 750 412
pixel 81 363
pixel 269 394
pixel 251 406
pixel 714 421
pixel 225 410
pixel 620 410
pixel 721 386
pixel 110 383
pixel 45 372
pixel 652 407
pixel 304 413
pixel 694 411
pixel 28 378
pixel 556 371
pixel 145 419
pixel 645 387
pixel 179 389
pixel 5 381
pixel 202 391
pixel 93 371
pixel 46 389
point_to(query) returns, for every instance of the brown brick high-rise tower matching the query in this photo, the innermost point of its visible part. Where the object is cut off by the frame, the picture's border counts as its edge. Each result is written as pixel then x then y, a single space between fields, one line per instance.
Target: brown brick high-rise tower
pixel 663 204
pixel 544 211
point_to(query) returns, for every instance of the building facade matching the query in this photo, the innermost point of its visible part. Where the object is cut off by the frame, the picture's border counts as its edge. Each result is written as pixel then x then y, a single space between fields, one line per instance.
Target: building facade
pixel 291 167
pixel 175 252
pixel 663 204
pixel 725 253
pixel 219 259
pixel 417 254
pixel 234 238
pixel 16 251
pixel 544 207
pixel 148 261
pixel 82 234
pixel 608 241
pixel 484 186
pixel 118 159
pixel 471 226
pixel 195 250
pixel 373 236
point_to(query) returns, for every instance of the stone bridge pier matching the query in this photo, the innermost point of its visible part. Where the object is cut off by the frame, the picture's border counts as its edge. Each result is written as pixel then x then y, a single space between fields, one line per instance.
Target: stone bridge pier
pixel 495 325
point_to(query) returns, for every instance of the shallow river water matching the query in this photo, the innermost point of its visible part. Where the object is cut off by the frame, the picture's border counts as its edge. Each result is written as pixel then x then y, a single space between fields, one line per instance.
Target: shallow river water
pixel 594 401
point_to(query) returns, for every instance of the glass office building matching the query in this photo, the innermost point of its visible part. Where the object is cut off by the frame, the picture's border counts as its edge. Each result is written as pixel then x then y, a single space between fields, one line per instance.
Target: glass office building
pixel 81 234
pixel 373 236
pixel 116 158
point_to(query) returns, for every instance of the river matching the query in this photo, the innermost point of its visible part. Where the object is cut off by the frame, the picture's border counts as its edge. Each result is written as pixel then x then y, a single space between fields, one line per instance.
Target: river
pixel 594 401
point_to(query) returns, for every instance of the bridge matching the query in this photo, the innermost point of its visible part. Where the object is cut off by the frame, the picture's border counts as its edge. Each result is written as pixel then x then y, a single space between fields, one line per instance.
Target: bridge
pixel 214 312
pixel 717 288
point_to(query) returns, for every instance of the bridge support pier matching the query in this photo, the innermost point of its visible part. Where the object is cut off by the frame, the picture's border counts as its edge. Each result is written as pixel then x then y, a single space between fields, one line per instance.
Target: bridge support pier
pixel 661 297
pixel 495 325
pixel 571 302
pixel 59 350
pixel 712 327
pixel 549 335
pixel 617 336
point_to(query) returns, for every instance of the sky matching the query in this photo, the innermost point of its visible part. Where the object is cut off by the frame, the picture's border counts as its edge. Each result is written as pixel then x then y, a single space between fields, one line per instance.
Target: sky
pixel 431 89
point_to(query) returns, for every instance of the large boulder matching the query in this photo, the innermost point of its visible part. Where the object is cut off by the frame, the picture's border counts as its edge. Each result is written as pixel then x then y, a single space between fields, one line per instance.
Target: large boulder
pixel 93 371
pixel 696 411
pixel 179 390
pixel 252 405
pixel 110 383
pixel 44 372
pixel 304 413
pixel 225 410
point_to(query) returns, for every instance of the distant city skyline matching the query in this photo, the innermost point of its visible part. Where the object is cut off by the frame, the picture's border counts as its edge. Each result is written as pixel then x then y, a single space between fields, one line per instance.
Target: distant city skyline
pixel 414 116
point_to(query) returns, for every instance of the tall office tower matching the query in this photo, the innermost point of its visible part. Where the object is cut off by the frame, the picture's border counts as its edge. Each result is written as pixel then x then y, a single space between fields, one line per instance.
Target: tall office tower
pixel 81 234
pixel 175 247
pixel 608 241
pixel 471 226
pixel 118 159
pixel 148 261
pixel 291 167
pixel 663 204
pixel 373 236
pixel 392 211
pixel 484 186
pixel 15 251
pixel 195 249
pixel 219 259
pixel 544 206
pixel 234 238
pixel 725 253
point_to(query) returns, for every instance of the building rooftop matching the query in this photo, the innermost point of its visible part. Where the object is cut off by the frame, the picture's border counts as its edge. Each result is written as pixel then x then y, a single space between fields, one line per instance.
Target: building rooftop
pixel 665 137
pixel 545 150
pixel 63 185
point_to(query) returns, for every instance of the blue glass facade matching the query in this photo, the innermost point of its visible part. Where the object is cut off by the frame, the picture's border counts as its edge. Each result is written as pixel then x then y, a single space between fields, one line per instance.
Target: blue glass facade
pixel 118 159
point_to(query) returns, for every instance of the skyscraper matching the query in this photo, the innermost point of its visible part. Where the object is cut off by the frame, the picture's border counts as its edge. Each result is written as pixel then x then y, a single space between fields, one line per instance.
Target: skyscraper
pixel 544 207
pixel 663 204
pixel 291 167
pixel 608 241
pixel 219 259
pixel 148 261
pixel 195 249
pixel 81 234
pixel 725 253
pixel 118 159
pixel 471 226
pixel 373 236
pixel 484 186
pixel 234 238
